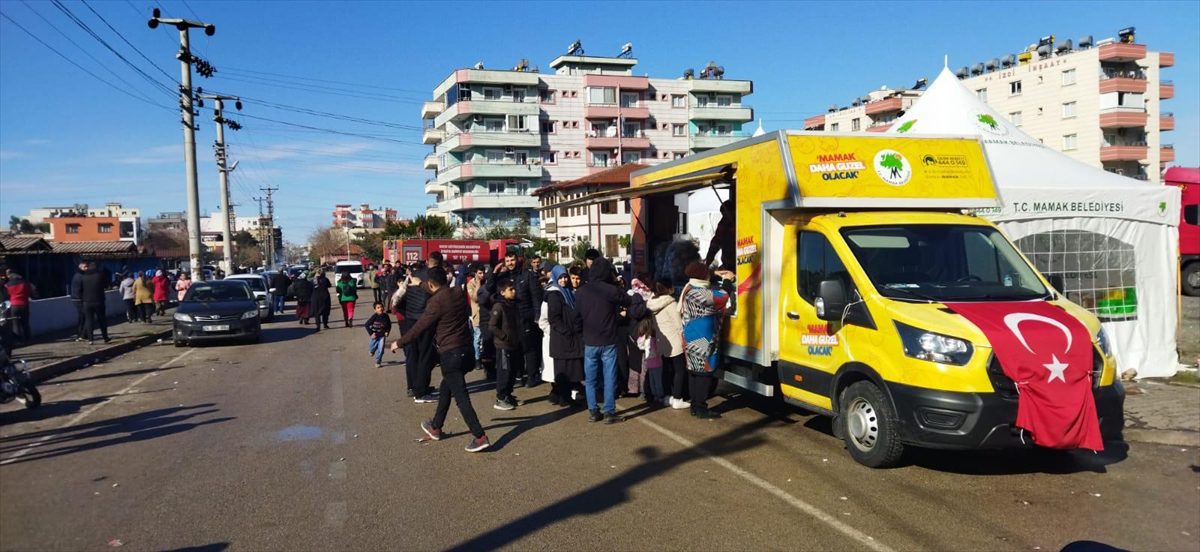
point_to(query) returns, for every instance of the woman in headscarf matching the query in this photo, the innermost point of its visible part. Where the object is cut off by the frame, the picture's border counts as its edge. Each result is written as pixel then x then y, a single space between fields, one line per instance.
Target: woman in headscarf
pixel 162 292
pixel 702 310
pixel 302 290
pixel 182 285
pixel 566 333
pixel 320 303
pixel 143 295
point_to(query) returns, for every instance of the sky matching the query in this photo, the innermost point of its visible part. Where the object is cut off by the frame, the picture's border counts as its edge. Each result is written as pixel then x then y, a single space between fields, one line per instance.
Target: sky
pixel 332 91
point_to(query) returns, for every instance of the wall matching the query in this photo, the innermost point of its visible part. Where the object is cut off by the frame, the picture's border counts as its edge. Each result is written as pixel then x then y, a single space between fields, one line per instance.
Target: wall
pixel 57 314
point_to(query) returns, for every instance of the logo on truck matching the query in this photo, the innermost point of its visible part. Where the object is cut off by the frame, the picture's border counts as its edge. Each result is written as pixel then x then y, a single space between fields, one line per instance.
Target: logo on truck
pixel 892 167
pixel 986 122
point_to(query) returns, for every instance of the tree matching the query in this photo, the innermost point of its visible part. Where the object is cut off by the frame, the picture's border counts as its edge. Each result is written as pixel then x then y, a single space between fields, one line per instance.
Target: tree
pixel 325 242
pixel 372 246
pixel 545 247
pixel 166 242
pixel 423 226
pixel 625 241
pixel 293 253
pixel 580 249
pixel 498 233
pixel 245 250
pixel 14 223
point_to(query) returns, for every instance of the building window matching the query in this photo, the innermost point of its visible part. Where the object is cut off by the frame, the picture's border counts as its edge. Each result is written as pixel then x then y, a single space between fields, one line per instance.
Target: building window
pixel 1014 88
pixel 549 127
pixel 724 101
pixel 611 245
pixel 516 123
pixel 678 129
pixel 722 130
pixel 855 124
pixel 630 99
pixel 547 96
pixel 496 187
pixel 494 156
pixel 631 129
pixel 490 93
pixel 631 157
pixel 599 159
pixel 602 95
pixel 1068 110
pixel 1069 142
pixel 1068 77
pixel 1015 117
pixel 72 228
pixel 981 94
pixel 680 155
pixel 678 100
pixel 608 208
pixel 834 127
pixel 493 125
pixel 549 157
pixel 104 227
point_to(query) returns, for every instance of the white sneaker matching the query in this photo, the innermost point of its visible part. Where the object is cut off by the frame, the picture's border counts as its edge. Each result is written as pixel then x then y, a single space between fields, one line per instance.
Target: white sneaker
pixel 680 404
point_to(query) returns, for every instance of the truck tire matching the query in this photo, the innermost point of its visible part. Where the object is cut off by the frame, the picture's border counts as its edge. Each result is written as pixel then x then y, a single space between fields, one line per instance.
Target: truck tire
pixel 1190 279
pixel 869 426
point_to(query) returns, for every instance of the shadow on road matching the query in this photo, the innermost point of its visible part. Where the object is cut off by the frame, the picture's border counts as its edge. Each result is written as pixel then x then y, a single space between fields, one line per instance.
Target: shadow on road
pixel 104 433
pixel 289 333
pixel 1019 461
pixel 615 491
pixel 115 374
pixel 48 410
pixel 214 547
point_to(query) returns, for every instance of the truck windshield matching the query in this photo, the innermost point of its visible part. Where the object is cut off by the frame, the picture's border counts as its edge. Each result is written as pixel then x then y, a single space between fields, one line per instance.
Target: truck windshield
pixel 943 262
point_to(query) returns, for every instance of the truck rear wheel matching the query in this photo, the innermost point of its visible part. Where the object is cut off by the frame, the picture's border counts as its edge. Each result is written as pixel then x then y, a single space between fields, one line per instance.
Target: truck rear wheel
pixel 1191 279
pixel 869 426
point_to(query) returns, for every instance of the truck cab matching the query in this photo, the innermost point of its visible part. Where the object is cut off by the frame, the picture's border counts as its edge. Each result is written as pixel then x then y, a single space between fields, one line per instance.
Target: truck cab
pixel 855 254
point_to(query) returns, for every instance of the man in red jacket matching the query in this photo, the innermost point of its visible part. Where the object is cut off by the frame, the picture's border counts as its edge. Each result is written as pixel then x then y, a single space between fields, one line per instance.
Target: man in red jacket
pixel 19 294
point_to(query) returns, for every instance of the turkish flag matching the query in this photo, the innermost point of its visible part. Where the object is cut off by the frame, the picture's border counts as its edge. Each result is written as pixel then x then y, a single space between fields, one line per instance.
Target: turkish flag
pixel 1048 354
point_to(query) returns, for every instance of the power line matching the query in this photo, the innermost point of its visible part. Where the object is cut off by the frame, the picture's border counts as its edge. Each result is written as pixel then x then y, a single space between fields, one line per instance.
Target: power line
pixel 346 83
pixel 333 131
pixel 327 90
pixel 86 53
pixel 82 68
pixel 66 11
pixel 130 44
pixel 329 115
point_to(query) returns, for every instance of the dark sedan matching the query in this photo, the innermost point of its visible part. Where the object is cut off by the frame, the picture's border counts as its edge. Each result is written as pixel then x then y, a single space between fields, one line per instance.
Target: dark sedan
pixel 218 310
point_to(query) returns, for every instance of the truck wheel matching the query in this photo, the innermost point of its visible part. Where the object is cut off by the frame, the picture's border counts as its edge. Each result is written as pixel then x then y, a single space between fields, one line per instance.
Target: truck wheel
pixel 869 426
pixel 1191 279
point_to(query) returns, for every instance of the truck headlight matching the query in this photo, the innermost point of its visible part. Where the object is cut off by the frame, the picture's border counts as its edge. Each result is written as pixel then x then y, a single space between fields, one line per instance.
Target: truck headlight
pixel 933 347
pixel 183 317
pixel 1102 341
pixel 249 314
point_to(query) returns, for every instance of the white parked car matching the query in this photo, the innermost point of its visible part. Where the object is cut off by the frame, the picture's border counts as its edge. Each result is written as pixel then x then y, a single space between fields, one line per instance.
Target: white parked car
pixel 262 295
pixel 355 269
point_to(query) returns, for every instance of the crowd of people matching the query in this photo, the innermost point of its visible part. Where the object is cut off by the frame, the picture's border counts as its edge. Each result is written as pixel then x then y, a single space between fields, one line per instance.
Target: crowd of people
pixel 590 333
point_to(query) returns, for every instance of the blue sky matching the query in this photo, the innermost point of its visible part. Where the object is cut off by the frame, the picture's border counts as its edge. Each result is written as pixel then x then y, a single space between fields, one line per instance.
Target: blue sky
pixel 65 137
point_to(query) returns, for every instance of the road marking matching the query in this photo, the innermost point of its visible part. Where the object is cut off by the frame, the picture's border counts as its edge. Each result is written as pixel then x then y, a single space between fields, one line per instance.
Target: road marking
pixel 339 403
pixel 859 536
pixel 82 415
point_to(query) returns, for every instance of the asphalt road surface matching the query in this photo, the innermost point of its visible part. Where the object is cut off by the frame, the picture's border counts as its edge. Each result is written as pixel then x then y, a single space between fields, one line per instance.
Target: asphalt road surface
pixel 300 443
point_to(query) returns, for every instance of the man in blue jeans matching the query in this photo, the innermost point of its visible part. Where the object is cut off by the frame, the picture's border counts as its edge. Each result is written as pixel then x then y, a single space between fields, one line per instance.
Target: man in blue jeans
pixel 279 286
pixel 600 301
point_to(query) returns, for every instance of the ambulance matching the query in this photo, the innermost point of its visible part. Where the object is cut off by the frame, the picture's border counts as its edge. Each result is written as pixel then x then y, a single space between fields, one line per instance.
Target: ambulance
pixel 866 290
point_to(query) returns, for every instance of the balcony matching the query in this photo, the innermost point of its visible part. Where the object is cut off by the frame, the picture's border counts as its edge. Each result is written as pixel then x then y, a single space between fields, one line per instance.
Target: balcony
pixel 879 127
pixel 1166 59
pixel 463 109
pixel 613 142
pixel 430 110
pixel 488 201
pixel 612 111
pixel 1166 121
pixel 466 140
pixel 432 187
pixel 466 171
pixel 1123 117
pixel 708 141
pixel 884 106
pixel 624 82
pixel 1166 90
pixel 1123 153
pixel 432 135
pixel 727 113
pixel 816 122
pixel 430 162
pixel 1119 51
pixel 721 86
pixel 486 76
pixel 1123 84
pixel 1166 154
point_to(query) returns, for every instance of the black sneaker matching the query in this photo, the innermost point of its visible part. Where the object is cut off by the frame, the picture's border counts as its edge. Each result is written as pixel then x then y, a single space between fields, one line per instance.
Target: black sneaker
pixel 434 433
pixel 503 404
pixel 613 418
pixel 706 414
pixel 410 393
pixel 425 399
pixel 477 445
pixel 595 415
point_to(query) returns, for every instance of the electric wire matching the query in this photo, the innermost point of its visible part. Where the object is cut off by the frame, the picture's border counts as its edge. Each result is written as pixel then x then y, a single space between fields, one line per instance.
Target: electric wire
pixel 334 92
pixel 130 44
pixel 334 131
pixel 70 15
pixel 345 83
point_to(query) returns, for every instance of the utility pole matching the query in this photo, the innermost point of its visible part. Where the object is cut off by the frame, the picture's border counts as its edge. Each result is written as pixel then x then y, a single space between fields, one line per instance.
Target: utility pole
pixel 223 171
pixel 270 223
pixel 189 128
pixel 262 240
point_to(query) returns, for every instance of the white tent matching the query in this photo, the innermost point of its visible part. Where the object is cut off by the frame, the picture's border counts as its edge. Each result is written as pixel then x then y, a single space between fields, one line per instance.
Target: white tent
pixel 1113 239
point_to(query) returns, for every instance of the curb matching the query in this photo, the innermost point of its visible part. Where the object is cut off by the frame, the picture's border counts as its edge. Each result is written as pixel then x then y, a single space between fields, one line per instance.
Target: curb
pixel 55 369
pixel 1172 437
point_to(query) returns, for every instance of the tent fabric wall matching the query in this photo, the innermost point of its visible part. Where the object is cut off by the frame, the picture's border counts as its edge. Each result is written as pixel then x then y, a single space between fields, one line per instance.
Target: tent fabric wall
pixel 1043 190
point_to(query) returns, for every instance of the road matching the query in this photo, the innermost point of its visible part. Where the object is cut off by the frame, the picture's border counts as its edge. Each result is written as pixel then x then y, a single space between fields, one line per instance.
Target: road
pixel 300 443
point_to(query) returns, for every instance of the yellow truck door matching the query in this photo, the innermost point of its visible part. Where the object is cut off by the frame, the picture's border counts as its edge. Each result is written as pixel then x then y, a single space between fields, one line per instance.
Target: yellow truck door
pixel 811 349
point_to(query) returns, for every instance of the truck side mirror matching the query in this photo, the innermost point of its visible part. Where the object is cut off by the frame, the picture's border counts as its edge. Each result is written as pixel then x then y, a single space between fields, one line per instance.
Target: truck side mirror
pixel 1056 281
pixel 831 300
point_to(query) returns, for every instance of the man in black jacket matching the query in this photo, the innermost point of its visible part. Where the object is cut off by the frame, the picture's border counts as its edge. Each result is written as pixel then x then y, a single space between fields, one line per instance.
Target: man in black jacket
pixel 418 353
pixel 599 302
pixel 280 282
pixel 77 300
pixel 91 294
pixel 529 303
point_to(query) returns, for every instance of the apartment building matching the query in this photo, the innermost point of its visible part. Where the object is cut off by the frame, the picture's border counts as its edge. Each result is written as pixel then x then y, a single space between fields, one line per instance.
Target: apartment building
pixel 344 215
pixel 500 135
pixel 112 209
pixel 75 229
pixel 1098 102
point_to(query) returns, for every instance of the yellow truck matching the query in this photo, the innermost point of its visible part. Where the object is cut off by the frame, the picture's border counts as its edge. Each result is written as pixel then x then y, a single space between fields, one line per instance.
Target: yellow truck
pixel 847 249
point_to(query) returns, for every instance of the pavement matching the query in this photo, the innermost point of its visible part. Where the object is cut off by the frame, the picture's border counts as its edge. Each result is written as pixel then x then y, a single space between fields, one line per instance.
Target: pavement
pixel 300 443
pixel 59 353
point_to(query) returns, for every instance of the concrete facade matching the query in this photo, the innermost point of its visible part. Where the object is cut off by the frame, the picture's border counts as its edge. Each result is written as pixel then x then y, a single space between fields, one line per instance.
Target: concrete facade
pixel 1100 104
pixel 499 136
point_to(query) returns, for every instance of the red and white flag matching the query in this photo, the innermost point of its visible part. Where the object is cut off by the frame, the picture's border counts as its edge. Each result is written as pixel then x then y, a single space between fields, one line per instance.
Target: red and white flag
pixel 1048 353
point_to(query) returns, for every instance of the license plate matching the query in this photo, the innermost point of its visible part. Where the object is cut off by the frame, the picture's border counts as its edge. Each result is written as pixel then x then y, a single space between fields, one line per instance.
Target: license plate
pixel 217 328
